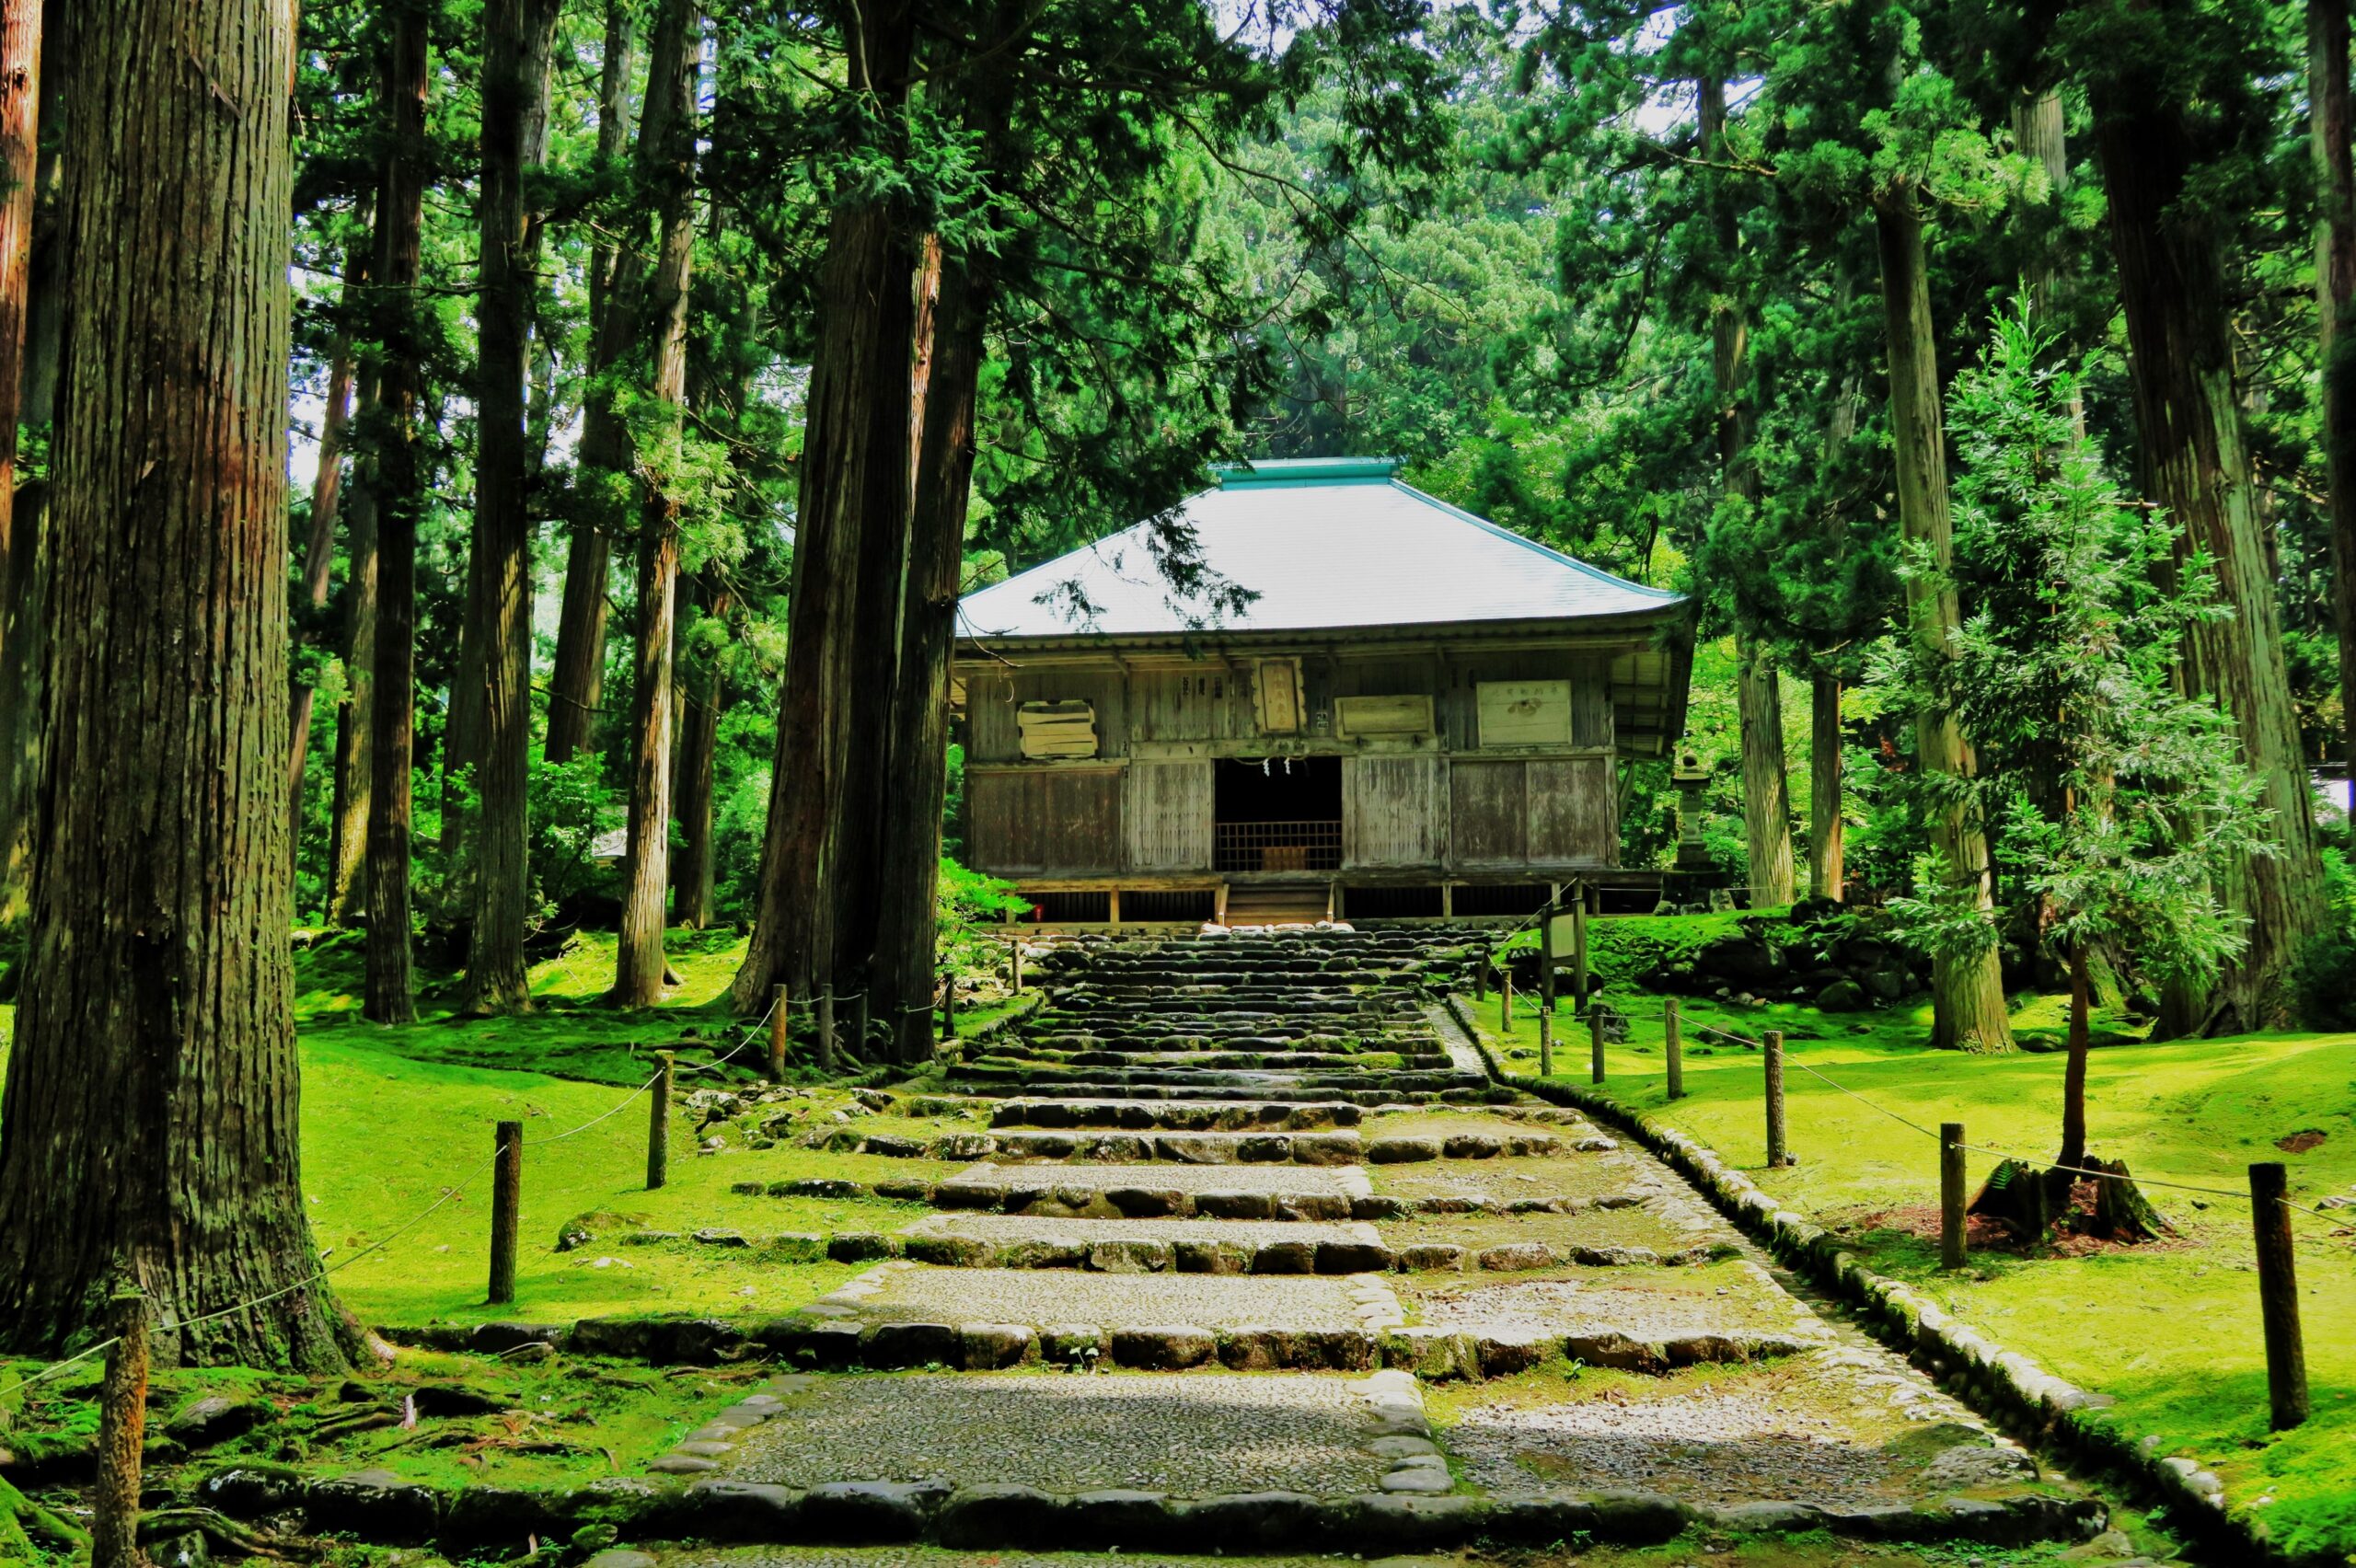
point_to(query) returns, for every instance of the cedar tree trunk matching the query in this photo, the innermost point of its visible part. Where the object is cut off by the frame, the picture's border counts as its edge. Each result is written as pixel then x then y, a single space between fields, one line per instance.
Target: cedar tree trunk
pixel 356 719
pixel 1826 827
pixel 2329 129
pixel 327 494
pixel 920 720
pixel 29 348
pixel 1766 790
pixel 2181 365
pixel 149 1130
pixel 577 677
pixel 704 692
pixel 668 154
pixel 398 481
pixel 1967 993
pixel 854 479
pixel 519 39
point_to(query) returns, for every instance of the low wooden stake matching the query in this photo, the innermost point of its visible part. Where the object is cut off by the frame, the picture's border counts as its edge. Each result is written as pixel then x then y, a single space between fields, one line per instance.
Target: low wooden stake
pixel 826 1027
pixel 506 1209
pixel 780 1017
pixel 2278 1296
pixel 1595 1039
pixel 658 1123
pixel 1481 978
pixel 1545 1043
pixel 858 1026
pixel 1578 945
pixel 1776 1152
pixel 949 1001
pixel 1546 960
pixel 123 1429
pixel 1016 959
pixel 1672 1024
pixel 1955 1243
pixel 1504 998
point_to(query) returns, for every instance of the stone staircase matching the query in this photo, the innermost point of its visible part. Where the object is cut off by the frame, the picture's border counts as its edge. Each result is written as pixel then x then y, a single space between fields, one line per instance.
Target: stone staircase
pixel 1244 1254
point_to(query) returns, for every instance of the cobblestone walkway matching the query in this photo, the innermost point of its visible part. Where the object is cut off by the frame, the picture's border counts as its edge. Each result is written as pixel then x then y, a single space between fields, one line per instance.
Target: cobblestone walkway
pixel 1332 1289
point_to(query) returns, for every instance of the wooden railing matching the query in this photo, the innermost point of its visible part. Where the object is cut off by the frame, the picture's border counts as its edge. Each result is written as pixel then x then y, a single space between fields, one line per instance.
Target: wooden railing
pixel 1277 845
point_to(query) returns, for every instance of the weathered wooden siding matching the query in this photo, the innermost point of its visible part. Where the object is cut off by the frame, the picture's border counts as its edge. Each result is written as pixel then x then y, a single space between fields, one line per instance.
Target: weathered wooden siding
pixel 1060 820
pixel 1166 814
pixel 1390 813
pixel 1209 701
pixel 1489 813
pixel 1573 810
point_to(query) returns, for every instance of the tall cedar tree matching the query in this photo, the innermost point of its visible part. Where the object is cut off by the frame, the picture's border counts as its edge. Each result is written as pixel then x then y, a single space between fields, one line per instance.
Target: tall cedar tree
pixel 852 518
pixel 326 504
pixel 2167 240
pixel 2065 674
pixel 28 276
pixel 1969 1011
pixel 2329 116
pixel 519 38
pixel 577 676
pixel 1766 792
pixel 667 146
pixel 397 485
pixel 150 1133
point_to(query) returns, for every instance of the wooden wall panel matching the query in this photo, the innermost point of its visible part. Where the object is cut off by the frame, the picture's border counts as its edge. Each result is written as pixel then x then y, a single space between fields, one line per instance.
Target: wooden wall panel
pixel 1103 690
pixel 1391 810
pixel 1166 816
pixel 1592 703
pixel 1572 812
pixel 1488 812
pixel 1065 821
pixel 990 732
pixel 1204 702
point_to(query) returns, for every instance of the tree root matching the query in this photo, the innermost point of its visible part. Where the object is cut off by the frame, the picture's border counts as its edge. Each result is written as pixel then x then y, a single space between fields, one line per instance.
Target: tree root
pixel 226 1533
pixel 21 1518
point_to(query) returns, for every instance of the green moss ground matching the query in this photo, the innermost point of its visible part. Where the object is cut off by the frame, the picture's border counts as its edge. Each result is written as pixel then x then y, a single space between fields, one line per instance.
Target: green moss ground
pixel 2170 1330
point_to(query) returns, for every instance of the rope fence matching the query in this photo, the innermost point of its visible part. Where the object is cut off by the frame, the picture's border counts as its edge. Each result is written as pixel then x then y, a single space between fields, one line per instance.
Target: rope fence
pixel 2272 1208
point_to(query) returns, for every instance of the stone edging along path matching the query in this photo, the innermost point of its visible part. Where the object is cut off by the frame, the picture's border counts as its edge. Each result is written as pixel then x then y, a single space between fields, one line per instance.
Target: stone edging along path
pixel 2004 1383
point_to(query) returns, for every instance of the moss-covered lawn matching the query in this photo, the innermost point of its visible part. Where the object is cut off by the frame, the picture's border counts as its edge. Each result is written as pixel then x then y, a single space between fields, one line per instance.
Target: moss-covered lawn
pixel 2171 1330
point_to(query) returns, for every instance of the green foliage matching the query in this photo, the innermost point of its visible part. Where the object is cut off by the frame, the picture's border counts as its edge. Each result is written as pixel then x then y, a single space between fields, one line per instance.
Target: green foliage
pixel 2115 803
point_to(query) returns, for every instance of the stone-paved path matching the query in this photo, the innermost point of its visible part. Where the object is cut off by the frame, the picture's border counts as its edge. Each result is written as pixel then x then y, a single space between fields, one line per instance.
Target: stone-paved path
pixel 1259 1259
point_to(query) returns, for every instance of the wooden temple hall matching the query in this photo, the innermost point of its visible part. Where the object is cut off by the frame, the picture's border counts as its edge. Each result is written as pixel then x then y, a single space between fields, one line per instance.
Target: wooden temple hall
pixel 1417 715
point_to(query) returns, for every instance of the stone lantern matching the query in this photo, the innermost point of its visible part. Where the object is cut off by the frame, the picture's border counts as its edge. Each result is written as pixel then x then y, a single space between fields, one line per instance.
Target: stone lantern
pixel 1690 779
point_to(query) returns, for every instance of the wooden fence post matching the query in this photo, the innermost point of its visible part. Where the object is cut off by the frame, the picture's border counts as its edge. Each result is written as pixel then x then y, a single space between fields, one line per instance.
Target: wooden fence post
pixel 1015 958
pixel 949 1002
pixel 506 1207
pixel 1481 976
pixel 1546 960
pixel 780 1016
pixel 858 1025
pixel 658 1124
pixel 1954 1240
pixel 1672 1024
pixel 1776 1152
pixel 123 1429
pixel 826 1027
pixel 1504 997
pixel 1595 1039
pixel 1578 945
pixel 1545 1043
pixel 2278 1296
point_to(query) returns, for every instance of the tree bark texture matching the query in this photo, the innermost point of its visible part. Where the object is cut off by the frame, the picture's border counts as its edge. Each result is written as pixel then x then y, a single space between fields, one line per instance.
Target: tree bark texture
pixel 1826 827
pixel 703 696
pixel 2180 366
pixel 854 479
pixel 149 1129
pixel 1967 993
pixel 1766 790
pixel 2328 138
pixel 959 306
pixel 327 494
pixel 397 480
pixel 668 149
pixel 356 718
pixel 29 347
pixel 2073 1073
pixel 577 677
pixel 519 41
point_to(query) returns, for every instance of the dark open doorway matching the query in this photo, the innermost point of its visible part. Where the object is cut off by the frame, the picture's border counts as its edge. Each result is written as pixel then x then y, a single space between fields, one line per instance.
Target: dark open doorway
pixel 1281 814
